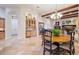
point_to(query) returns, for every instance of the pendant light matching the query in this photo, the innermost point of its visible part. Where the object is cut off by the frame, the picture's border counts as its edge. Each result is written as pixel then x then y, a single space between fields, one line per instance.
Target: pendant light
pixel 56 15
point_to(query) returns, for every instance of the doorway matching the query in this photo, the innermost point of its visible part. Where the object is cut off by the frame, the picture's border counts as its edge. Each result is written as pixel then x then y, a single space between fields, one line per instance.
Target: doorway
pixel 30 26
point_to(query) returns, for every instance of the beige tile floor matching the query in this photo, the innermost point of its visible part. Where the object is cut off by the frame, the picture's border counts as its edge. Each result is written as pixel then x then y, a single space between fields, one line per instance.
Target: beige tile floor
pixel 29 46
pixel 23 46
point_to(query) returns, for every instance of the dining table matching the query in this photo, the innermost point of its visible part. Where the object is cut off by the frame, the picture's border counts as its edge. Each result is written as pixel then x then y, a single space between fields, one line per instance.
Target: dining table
pixel 57 40
pixel 61 38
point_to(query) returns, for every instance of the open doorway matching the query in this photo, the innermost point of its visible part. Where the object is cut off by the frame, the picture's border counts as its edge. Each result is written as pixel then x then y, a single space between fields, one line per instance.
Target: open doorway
pixel 30 26
pixel 41 26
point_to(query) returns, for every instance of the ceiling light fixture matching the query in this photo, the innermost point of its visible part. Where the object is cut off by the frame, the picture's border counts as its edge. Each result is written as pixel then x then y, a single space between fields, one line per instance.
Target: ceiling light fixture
pixel 56 15
pixel 29 9
pixel 37 7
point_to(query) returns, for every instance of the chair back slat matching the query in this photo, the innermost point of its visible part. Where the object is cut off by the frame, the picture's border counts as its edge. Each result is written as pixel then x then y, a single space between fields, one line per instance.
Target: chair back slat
pixel 47 35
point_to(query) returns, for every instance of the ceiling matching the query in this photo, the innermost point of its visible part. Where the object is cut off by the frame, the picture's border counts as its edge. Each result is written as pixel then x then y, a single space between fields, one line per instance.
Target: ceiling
pixel 67 12
pixel 39 8
pixel 46 8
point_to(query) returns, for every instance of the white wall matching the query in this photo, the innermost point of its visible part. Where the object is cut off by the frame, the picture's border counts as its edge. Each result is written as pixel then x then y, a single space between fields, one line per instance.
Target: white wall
pixel 20 13
pixel 47 23
pixel 2 12
pixel 8 22
pixel 38 18
pixel 21 30
pixel 52 22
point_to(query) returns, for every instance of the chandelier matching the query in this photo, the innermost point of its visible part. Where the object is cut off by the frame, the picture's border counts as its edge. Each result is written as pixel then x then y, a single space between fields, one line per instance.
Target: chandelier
pixel 56 15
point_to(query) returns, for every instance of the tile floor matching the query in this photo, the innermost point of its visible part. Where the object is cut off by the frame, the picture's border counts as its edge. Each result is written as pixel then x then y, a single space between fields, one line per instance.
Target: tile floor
pixel 22 46
pixel 29 46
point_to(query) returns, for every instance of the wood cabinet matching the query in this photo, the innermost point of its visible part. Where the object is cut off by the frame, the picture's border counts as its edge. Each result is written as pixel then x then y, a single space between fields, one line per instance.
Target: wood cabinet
pixel 2 35
pixel 30 26
pixel 2 21
pixel 29 33
pixel 2 28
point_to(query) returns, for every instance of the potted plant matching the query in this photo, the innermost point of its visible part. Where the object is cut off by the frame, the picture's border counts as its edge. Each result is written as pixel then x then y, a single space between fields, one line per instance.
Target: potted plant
pixel 56 31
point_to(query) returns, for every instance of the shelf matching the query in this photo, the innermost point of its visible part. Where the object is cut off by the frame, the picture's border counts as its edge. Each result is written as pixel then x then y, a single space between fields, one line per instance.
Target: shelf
pixel 30 27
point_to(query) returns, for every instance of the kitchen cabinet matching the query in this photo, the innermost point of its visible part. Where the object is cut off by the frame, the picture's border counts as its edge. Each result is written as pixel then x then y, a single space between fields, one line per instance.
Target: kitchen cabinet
pixel 2 28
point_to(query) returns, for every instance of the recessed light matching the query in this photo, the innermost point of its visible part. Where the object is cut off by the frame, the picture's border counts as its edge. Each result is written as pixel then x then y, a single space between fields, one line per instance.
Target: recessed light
pixel 28 9
pixel 37 7
pixel 8 10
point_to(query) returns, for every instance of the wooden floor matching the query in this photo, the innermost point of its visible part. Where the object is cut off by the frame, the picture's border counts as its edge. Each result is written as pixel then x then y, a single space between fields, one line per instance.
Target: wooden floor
pixel 29 46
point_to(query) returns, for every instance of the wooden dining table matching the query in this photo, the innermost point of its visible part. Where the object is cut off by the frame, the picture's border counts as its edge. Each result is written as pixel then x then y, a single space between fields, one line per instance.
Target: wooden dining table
pixel 57 40
pixel 61 38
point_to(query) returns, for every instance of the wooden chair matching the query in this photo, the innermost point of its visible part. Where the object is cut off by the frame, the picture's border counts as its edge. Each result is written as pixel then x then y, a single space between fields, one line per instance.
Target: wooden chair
pixel 42 36
pixel 69 46
pixel 47 40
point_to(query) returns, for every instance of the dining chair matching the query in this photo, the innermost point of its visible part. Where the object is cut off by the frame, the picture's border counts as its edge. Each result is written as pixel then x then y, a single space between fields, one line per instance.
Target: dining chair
pixel 42 36
pixel 48 45
pixel 69 46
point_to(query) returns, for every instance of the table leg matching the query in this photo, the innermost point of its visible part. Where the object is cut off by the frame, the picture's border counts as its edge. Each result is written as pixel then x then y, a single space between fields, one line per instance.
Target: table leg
pixel 58 48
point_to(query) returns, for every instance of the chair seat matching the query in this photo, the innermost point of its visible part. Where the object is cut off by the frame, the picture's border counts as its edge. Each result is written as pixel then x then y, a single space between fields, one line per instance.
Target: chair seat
pixel 53 47
pixel 65 47
pixel 47 43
